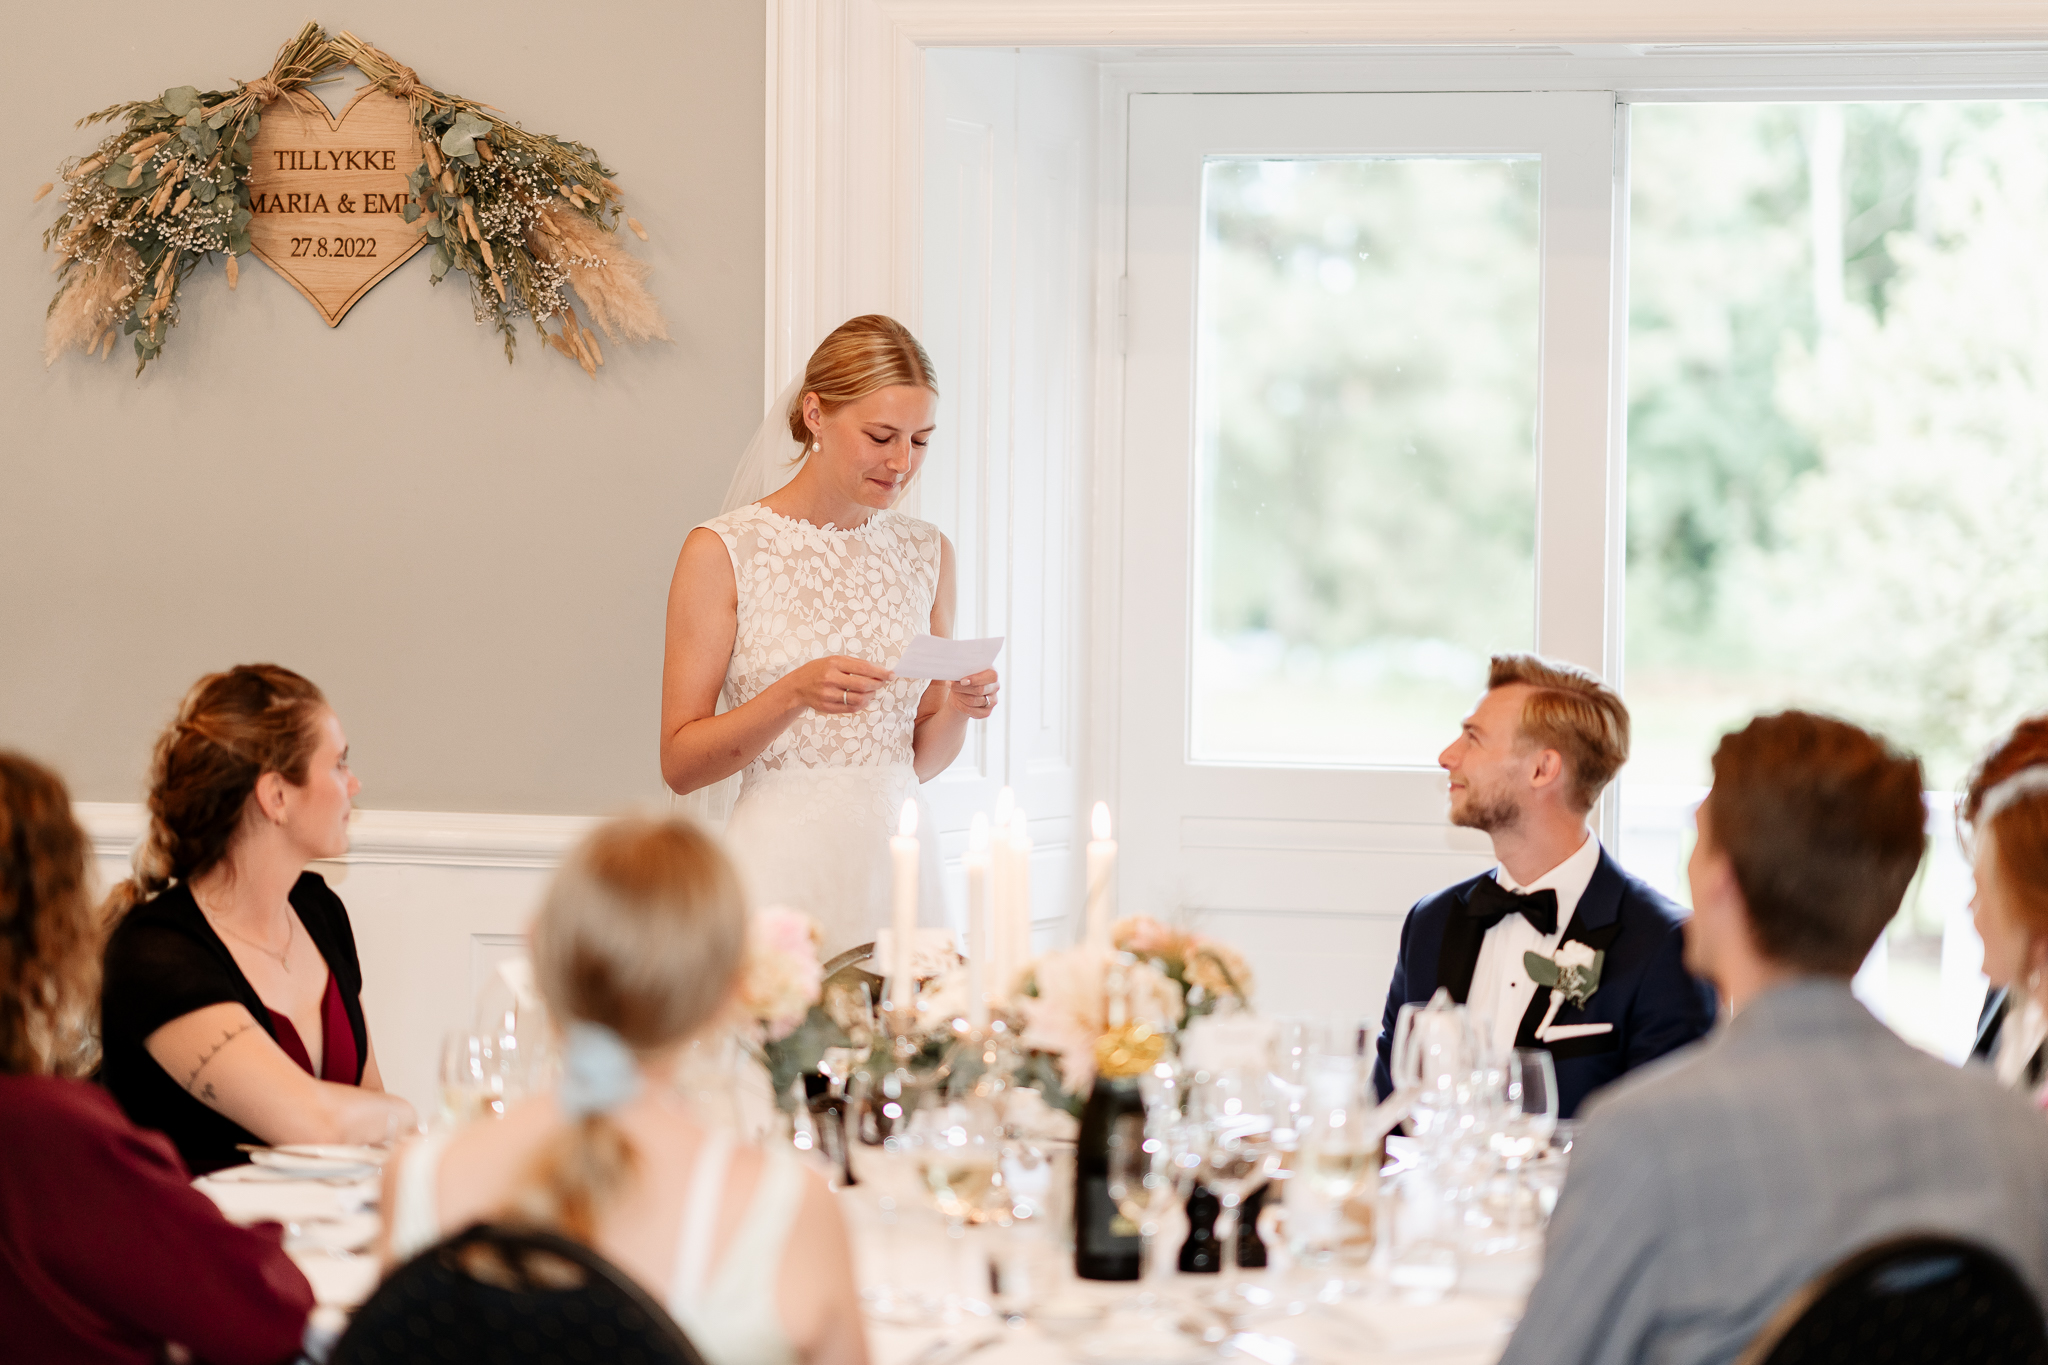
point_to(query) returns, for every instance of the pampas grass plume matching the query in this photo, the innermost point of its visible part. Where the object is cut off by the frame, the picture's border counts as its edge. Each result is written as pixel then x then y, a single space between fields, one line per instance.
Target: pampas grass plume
pixel 604 276
pixel 91 304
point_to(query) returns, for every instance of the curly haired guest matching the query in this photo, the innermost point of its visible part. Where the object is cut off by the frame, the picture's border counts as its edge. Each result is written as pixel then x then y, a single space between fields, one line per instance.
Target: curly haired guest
pixel 2011 847
pixel 638 949
pixel 231 1013
pixel 107 1253
pixel 2022 747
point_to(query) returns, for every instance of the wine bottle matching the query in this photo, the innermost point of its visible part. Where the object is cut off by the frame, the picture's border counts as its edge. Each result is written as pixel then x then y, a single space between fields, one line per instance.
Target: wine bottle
pixel 1107 1245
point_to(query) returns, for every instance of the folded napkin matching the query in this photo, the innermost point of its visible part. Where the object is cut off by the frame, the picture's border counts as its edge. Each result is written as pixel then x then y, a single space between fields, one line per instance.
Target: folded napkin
pixel 286 1201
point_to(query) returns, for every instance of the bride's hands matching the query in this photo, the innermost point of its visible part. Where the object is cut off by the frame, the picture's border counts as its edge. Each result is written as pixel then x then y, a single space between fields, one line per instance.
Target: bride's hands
pixel 975 695
pixel 838 685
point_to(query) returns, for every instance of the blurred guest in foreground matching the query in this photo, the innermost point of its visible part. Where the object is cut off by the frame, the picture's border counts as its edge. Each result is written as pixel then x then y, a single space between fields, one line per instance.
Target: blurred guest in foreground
pixel 639 947
pixel 107 1253
pixel 1706 1189
pixel 2024 746
pixel 2011 863
pixel 231 1011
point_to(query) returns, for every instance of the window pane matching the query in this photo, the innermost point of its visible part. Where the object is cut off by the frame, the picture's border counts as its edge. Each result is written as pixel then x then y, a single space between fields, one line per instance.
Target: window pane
pixel 1366 482
pixel 1838 458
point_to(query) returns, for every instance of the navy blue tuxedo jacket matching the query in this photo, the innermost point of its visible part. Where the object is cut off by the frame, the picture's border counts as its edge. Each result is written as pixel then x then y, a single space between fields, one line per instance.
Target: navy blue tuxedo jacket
pixel 1644 990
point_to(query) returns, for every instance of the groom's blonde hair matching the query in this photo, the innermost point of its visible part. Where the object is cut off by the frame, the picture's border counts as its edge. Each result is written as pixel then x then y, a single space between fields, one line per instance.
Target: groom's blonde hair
pixel 863 354
pixel 1570 710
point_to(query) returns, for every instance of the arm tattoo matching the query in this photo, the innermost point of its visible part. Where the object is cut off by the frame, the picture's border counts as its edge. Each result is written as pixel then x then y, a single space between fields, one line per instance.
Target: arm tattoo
pixel 227 1036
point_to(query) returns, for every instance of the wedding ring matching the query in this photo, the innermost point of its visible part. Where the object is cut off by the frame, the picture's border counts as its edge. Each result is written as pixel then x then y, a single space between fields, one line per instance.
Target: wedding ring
pixel 842 698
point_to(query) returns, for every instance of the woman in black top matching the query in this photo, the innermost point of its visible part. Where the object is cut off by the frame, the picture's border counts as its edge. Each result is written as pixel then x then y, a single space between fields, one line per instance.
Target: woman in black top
pixel 230 1012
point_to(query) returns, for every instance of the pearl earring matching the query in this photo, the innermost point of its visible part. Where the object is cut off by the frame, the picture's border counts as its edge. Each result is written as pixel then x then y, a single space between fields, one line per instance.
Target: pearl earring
pixel 815 446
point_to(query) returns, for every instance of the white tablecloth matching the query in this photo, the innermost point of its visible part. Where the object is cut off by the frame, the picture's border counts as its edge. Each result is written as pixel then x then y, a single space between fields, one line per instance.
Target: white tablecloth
pixel 1057 1318
pixel 1053 1317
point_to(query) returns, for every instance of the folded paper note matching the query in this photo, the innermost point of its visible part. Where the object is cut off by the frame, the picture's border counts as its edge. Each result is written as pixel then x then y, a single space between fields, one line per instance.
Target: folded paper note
pixel 932 656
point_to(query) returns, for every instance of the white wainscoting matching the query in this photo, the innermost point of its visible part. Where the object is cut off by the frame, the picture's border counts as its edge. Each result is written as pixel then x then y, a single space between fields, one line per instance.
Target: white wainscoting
pixel 437 899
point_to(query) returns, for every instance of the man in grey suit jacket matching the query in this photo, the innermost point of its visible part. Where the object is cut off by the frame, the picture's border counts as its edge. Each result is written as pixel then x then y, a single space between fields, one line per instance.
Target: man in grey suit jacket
pixel 1708 1186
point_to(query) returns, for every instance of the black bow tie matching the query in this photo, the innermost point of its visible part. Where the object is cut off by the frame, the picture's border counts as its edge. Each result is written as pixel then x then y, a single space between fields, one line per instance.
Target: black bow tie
pixel 1490 903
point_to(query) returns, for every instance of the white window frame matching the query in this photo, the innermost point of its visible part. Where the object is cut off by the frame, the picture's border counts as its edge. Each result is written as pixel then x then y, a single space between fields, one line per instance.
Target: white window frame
pixel 844 158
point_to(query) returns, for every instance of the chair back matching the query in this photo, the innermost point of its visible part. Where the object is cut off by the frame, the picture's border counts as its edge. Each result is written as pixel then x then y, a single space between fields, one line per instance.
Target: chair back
pixel 1919 1299
pixel 506 1296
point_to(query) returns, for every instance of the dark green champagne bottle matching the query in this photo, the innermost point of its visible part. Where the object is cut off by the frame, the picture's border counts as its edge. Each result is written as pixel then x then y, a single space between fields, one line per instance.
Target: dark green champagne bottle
pixel 1107 1245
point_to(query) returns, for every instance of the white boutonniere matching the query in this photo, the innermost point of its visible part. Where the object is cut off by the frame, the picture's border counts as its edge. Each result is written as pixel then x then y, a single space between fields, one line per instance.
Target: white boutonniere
pixel 1572 974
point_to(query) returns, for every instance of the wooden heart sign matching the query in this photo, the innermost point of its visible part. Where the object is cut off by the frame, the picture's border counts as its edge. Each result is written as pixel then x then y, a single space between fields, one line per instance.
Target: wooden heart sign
pixel 327 197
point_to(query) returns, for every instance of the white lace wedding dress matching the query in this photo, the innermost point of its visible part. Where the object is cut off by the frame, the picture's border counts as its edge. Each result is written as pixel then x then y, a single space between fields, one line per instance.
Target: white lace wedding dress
pixel 811 826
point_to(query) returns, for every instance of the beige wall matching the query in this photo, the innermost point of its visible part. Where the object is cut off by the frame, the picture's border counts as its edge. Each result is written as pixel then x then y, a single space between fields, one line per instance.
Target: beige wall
pixel 471 558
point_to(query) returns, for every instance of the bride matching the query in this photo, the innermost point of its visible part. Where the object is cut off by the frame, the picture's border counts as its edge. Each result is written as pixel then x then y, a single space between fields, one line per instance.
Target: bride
pixel 783 618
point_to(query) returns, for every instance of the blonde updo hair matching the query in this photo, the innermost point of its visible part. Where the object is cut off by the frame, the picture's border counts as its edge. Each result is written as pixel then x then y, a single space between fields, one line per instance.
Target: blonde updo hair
pixel 644 931
pixel 863 355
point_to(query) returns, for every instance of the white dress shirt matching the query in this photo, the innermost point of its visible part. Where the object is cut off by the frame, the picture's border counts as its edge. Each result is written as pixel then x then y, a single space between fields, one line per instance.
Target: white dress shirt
pixel 1501 988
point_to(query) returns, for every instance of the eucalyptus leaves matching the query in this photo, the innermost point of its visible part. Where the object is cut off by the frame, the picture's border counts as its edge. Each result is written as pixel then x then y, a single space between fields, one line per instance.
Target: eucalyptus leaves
pixel 1574 974
pixel 155 199
pixel 525 217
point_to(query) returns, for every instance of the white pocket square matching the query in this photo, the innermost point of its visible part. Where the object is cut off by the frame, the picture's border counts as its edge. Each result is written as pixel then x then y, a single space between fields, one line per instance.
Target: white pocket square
pixel 1557 1033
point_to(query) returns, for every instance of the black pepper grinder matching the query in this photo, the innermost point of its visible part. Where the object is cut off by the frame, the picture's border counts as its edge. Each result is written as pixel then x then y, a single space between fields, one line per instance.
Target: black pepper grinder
pixel 1201 1254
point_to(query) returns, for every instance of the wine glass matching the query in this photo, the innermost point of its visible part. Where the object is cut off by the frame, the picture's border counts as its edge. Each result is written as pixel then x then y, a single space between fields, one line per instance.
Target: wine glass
pixel 1524 1121
pixel 1238 1154
pixel 958 1150
pixel 478 1077
pixel 1434 1055
pixel 1337 1161
pixel 1152 1163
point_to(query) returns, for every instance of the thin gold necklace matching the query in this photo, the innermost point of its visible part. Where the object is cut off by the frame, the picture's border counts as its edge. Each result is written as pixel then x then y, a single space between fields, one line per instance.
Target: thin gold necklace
pixel 291 932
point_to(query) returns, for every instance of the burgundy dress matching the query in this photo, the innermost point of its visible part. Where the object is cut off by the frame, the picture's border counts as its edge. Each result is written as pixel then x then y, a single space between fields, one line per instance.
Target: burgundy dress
pixel 107 1252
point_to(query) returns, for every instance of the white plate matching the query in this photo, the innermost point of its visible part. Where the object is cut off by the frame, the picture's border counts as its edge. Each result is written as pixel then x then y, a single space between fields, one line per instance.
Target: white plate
pixel 319 1158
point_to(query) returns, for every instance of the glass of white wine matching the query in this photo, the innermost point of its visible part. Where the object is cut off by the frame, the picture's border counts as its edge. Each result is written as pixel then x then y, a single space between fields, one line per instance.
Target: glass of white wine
pixel 472 1078
pixel 958 1149
pixel 1335 1177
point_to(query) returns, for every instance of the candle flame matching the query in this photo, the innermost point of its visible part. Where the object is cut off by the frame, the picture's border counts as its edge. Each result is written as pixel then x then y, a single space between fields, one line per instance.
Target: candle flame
pixel 908 825
pixel 977 833
pixel 1099 821
pixel 1006 806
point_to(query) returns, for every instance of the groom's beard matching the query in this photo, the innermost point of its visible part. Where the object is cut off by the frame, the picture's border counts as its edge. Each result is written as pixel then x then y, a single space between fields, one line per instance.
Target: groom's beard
pixel 1490 814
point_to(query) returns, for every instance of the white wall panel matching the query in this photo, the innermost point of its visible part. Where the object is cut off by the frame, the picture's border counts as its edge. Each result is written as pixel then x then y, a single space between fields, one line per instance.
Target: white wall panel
pixel 1008 179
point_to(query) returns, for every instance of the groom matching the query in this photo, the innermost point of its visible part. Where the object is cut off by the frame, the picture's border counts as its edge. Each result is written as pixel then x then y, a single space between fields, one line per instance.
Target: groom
pixel 1557 947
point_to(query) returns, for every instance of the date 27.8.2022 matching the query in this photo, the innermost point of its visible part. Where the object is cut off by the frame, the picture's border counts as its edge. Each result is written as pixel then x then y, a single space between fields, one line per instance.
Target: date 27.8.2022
pixel 334 246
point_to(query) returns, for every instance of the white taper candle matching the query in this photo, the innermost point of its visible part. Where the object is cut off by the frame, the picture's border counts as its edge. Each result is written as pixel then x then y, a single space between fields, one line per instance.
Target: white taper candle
pixel 1020 892
pixel 903 863
pixel 1101 880
pixel 979 939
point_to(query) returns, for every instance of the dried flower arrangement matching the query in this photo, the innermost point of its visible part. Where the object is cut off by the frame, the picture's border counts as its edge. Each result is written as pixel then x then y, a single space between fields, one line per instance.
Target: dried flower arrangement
pixel 527 217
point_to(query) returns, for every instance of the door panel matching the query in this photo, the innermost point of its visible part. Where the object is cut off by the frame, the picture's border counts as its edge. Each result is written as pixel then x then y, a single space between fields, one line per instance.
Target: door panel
pixel 1309 856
